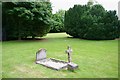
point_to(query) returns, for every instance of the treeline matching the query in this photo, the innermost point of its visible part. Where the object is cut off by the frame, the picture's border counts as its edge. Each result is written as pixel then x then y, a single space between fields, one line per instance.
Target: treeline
pixel 35 19
pixel 92 22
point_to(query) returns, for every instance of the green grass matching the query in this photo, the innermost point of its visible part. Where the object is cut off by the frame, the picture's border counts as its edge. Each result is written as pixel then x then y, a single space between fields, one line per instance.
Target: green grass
pixel 96 59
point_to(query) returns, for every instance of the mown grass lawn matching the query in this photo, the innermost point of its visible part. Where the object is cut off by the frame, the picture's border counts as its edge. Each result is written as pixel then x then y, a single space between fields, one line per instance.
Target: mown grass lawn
pixel 96 59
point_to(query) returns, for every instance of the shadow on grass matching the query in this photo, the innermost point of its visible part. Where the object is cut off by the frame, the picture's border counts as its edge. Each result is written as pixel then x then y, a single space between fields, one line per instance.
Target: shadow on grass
pixel 35 39
pixel 92 39
pixel 31 40
pixel 69 71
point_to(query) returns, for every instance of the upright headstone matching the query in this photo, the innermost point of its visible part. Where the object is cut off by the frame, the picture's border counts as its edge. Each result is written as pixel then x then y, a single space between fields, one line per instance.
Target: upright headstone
pixel 41 54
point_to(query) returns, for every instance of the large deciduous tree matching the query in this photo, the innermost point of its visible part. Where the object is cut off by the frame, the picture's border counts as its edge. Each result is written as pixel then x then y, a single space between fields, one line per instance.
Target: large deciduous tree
pixel 57 24
pixel 22 19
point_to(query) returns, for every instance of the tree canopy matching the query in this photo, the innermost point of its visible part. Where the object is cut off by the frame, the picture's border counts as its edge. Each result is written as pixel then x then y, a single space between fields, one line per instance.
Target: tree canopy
pixel 91 22
pixel 57 24
pixel 23 19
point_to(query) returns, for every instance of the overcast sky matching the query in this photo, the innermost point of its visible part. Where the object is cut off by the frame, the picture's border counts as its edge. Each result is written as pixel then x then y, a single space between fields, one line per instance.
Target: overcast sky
pixel 66 4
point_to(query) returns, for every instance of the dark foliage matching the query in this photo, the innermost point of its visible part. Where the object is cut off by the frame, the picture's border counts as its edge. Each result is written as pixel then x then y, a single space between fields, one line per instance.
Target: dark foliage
pixel 91 22
pixel 23 19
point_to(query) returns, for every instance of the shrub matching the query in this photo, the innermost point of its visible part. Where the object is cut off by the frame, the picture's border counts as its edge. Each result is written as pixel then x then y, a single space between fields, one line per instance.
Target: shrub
pixel 91 22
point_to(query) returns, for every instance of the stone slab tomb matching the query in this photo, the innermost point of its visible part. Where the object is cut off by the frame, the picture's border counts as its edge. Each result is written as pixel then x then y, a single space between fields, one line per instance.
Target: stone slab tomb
pixel 41 58
pixel 49 62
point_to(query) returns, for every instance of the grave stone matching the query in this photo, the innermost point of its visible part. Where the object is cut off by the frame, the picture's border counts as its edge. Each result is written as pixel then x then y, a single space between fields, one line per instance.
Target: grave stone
pixel 71 66
pixel 54 63
pixel 41 54
pixel 69 52
pixel 49 62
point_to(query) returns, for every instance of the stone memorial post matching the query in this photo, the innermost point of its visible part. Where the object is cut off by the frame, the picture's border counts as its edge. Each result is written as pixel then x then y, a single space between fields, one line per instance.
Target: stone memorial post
pixel 69 52
pixel 71 66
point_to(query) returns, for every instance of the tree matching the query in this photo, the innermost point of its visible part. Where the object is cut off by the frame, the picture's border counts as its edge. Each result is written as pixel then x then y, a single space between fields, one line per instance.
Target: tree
pixel 75 20
pixel 22 19
pixel 0 21
pixel 111 25
pixel 58 22
pixel 91 22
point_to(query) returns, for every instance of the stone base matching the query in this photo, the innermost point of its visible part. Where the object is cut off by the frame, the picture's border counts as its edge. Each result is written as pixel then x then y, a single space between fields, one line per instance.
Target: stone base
pixel 72 66
pixel 53 63
pixel 57 64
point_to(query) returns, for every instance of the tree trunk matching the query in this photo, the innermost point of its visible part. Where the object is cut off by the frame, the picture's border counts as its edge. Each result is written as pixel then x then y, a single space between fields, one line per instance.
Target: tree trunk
pixel 33 37
pixel 19 31
pixel 19 37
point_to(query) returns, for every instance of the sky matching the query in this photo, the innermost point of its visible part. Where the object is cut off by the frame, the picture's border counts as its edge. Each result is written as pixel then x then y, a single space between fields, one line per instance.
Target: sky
pixel 66 4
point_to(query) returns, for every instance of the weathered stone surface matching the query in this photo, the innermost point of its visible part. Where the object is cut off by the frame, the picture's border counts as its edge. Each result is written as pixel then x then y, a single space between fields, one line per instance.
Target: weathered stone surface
pixel 49 62
pixel 41 54
pixel 72 66
pixel 69 52
pixel 53 63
